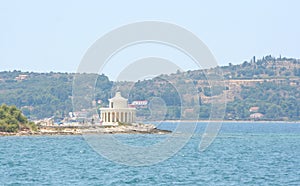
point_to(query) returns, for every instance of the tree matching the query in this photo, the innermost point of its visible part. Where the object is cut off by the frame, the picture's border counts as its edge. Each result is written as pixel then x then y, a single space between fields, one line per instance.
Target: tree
pixel 12 119
pixel 274 111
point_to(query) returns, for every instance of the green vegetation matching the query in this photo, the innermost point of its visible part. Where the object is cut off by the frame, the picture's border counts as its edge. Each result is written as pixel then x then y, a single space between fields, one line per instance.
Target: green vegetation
pixel 12 120
pixel 275 101
pixel 276 91
pixel 44 95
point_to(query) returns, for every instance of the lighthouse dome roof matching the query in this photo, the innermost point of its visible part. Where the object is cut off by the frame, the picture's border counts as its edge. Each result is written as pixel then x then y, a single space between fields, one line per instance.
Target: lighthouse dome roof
pixel 117 97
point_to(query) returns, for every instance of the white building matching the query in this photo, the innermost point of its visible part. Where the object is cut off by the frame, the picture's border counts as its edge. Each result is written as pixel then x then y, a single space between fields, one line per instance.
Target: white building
pixel 139 104
pixel 118 111
pixel 256 116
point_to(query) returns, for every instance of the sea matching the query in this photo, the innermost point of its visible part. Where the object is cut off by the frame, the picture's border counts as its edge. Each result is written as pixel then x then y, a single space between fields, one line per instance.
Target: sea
pixel 254 153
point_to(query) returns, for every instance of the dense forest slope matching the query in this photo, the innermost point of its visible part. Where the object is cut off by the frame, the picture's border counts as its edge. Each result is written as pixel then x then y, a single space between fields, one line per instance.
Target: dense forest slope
pixel 264 89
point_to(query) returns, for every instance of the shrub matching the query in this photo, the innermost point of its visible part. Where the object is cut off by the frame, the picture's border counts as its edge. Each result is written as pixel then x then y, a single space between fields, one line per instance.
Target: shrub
pixel 12 119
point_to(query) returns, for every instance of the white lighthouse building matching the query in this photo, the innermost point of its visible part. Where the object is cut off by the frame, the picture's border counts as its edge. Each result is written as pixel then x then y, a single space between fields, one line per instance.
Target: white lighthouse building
pixel 118 111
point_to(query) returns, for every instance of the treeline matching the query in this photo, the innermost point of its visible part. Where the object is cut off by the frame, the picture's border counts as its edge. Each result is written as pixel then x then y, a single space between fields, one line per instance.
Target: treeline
pixel 266 67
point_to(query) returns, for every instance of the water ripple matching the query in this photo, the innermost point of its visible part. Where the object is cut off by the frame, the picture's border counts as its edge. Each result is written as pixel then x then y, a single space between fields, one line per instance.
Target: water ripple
pixel 241 155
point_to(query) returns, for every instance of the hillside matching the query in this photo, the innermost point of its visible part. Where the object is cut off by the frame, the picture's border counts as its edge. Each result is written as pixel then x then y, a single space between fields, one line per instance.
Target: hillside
pixel 269 85
pixel 263 89
pixel 42 95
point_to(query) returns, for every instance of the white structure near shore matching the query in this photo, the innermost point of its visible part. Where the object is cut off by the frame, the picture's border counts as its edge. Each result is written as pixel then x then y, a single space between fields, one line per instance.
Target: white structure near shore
pixel 118 111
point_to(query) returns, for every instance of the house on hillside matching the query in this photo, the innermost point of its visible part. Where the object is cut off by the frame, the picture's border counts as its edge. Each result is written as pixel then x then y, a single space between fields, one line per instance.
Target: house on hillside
pixel 139 104
pixel 21 77
pixel 256 116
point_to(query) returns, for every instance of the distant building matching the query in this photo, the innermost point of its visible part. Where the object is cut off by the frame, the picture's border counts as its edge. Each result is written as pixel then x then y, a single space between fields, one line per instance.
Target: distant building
pixel 45 122
pixel 139 104
pixel 256 116
pixel 254 109
pixel 118 111
pixel 80 114
pixel 21 77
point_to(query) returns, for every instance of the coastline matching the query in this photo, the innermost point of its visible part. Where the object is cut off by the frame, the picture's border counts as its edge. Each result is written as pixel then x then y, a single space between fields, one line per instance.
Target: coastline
pixel 122 129
pixel 228 121
pixel 90 129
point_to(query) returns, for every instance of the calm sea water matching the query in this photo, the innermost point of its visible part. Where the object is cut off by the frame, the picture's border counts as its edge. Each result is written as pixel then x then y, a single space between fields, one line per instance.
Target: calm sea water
pixel 242 154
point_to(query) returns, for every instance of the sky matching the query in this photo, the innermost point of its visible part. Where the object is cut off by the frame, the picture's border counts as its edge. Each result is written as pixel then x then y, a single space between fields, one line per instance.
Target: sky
pixel 44 36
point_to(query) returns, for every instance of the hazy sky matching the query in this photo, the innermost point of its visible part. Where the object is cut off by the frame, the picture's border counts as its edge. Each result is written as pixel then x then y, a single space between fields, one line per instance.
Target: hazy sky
pixel 54 35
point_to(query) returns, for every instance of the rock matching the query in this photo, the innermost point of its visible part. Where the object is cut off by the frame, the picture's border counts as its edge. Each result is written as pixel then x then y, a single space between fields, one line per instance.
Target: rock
pixel 135 128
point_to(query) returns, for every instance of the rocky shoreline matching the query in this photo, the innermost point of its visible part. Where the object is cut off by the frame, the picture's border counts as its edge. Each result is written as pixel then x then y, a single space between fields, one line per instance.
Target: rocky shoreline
pixel 96 129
